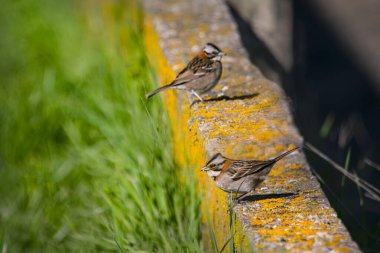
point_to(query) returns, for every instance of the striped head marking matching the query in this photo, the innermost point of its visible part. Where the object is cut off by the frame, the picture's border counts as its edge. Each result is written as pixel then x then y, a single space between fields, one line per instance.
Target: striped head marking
pixel 214 166
pixel 211 52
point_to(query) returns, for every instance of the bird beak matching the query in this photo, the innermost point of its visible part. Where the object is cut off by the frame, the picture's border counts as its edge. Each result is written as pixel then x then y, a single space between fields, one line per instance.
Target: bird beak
pixel 219 56
pixel 204 169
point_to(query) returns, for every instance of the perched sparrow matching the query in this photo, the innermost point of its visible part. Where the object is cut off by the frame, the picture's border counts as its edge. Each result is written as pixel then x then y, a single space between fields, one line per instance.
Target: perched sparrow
pixel 200 75
pixel 240 176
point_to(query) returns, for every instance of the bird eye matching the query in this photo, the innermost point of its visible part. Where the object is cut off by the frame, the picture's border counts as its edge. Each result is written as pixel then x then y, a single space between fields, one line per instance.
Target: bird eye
pixel 207 54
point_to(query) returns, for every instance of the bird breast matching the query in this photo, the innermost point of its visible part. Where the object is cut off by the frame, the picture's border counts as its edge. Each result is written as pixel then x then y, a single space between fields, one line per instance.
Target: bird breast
pixel 242 185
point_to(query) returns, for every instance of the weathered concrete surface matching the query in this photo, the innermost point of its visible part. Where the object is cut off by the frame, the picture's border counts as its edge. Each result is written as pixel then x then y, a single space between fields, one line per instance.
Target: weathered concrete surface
pixel 254 123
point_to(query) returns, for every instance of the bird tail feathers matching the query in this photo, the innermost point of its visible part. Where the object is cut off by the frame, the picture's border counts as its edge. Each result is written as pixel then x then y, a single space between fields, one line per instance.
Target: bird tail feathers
pixel 151 94
pixel 278 158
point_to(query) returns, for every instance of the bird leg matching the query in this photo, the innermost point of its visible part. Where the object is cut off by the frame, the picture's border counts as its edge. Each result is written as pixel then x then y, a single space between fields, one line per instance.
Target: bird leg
pixel 240 197
pixel 197 95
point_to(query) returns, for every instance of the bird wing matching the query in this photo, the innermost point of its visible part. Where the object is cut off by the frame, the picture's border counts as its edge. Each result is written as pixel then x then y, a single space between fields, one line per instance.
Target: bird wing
pixel 188 75
pixel 195 69
pixel 242 169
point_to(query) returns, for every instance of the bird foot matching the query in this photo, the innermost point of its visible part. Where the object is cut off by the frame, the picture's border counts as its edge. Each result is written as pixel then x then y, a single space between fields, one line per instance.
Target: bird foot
pixel 197 95
pixel 242 196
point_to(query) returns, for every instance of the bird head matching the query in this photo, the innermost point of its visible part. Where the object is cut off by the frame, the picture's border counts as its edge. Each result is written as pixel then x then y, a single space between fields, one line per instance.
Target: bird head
pixel 214 165
pixel 211 52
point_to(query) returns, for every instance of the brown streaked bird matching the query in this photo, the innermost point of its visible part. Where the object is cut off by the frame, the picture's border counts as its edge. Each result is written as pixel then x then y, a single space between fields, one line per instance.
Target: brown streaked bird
pixel 200 75
pixel 240 176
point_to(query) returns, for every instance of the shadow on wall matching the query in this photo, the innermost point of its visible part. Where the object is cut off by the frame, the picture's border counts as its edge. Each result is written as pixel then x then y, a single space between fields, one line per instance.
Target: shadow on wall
pixel 335 108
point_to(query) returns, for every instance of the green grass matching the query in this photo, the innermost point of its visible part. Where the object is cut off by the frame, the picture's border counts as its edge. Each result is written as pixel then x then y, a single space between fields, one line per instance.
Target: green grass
pixel 85 162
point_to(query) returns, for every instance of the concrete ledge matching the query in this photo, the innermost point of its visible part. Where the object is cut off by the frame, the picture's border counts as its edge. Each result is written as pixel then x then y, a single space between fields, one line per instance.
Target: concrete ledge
pixel 254 123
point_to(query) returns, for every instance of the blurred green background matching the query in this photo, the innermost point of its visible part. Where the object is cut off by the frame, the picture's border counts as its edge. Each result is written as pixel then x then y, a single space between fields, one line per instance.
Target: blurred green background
pixel 85 161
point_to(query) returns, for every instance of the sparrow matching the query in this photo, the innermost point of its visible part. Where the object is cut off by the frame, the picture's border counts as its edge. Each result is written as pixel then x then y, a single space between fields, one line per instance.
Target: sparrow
pixel 200 75
pixel 240 176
